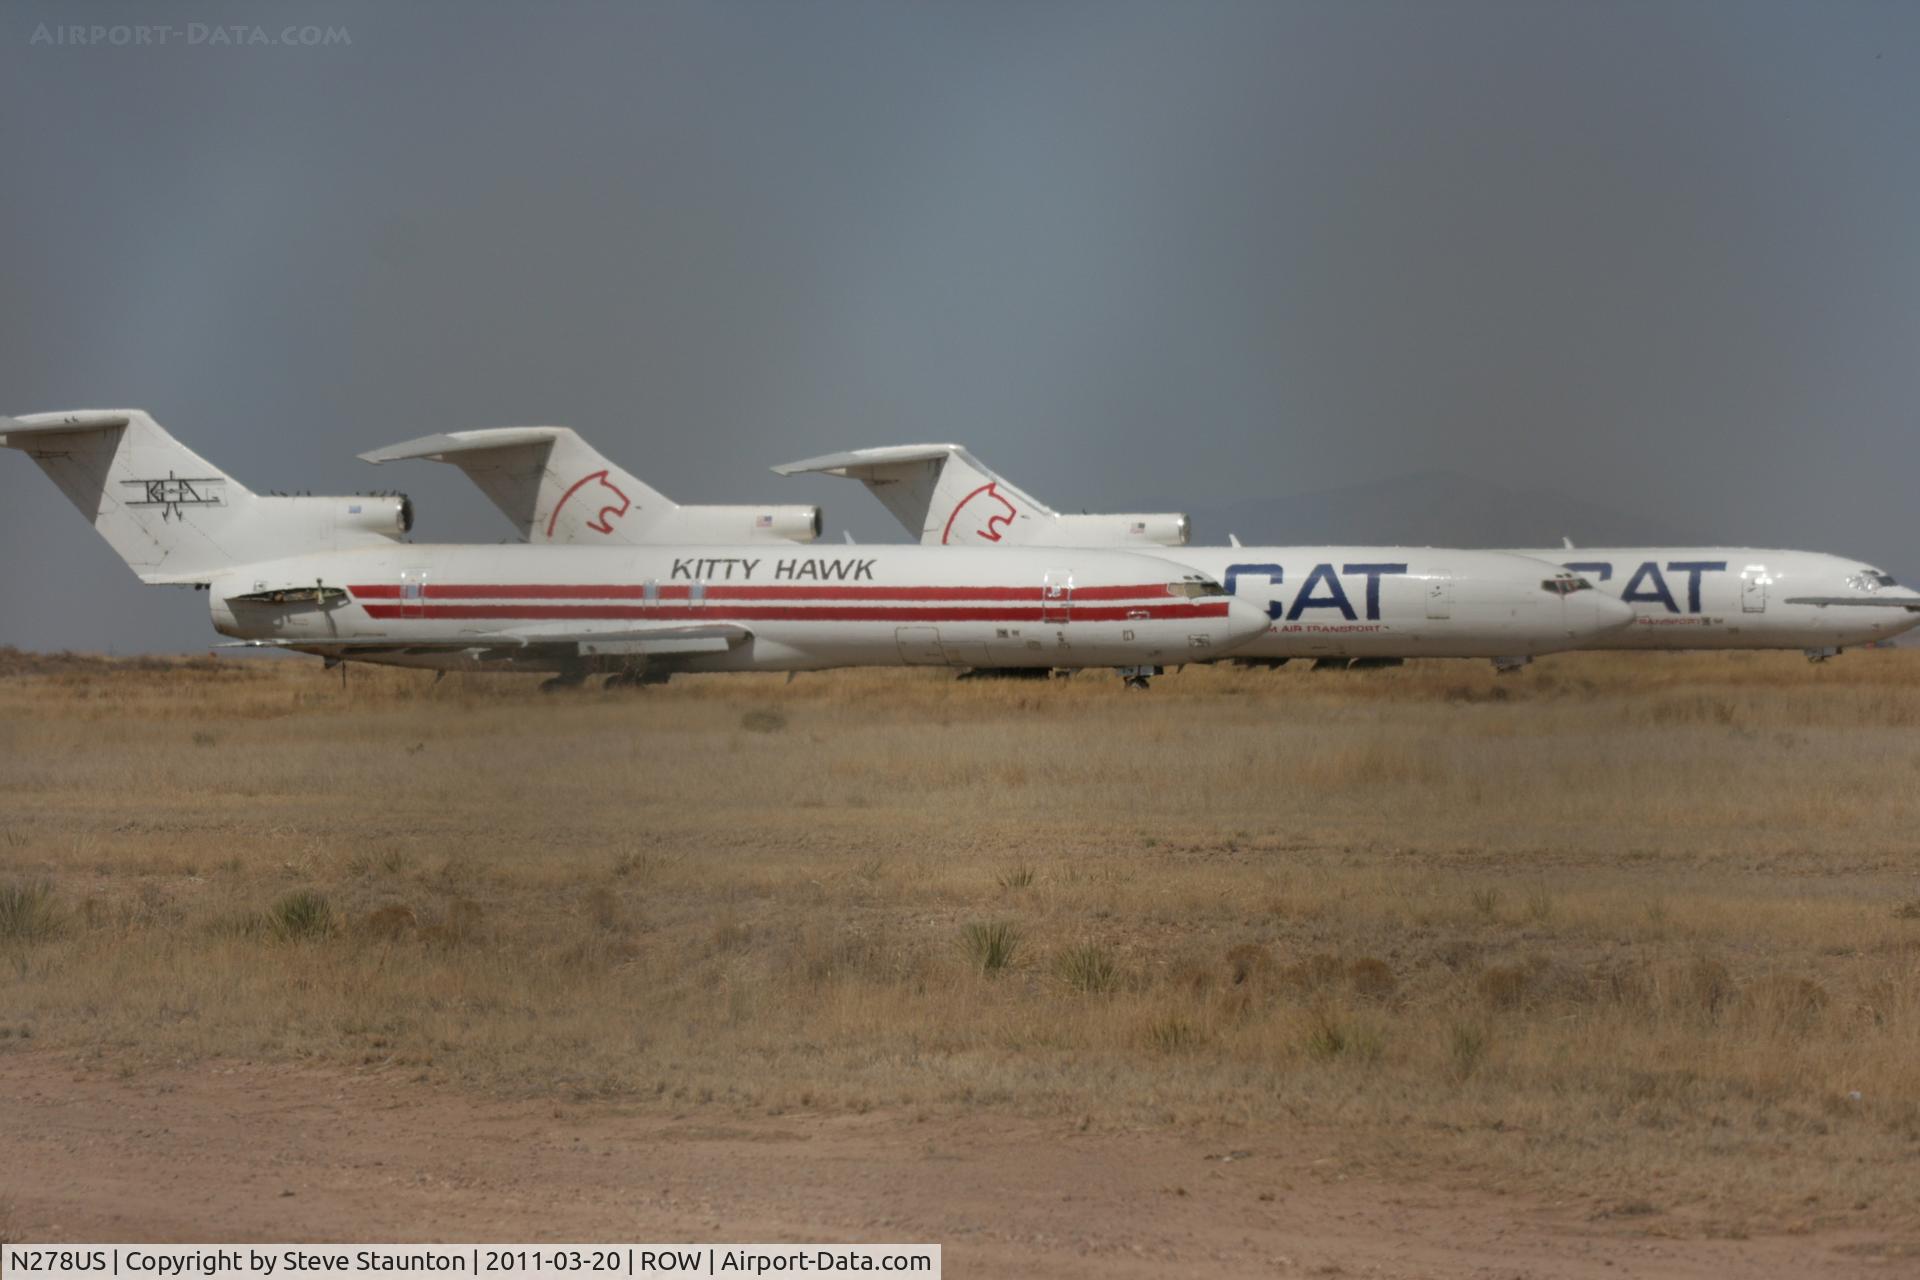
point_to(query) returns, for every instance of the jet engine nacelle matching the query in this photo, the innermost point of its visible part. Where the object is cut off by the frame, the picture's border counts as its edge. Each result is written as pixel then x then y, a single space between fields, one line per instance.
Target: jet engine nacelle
pixel 746 524
pixel 1166 529
pixel 322 519
pixel 1170 530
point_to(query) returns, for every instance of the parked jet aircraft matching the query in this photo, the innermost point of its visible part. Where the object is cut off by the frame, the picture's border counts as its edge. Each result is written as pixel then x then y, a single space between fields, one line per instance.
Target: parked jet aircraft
pixel 555 488
pixel 1743 598
pixel 330 576
pixel 1330 603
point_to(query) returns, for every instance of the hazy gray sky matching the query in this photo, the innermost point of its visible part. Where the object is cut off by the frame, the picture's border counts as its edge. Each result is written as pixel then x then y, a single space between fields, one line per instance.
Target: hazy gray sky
pixel 1664 255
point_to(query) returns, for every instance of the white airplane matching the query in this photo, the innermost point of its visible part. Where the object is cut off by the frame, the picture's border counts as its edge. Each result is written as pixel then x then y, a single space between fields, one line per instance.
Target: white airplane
pixel 555 488
pixel 1365 604
pixel 331 577
pixel 1678 597
pixel 1743 598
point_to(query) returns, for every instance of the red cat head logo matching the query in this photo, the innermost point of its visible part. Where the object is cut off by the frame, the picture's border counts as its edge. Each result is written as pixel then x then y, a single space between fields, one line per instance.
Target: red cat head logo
pixel 982 514
pixel 613 503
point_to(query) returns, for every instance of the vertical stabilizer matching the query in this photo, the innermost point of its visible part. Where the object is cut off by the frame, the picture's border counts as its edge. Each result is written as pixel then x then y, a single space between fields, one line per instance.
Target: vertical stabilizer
pixel 947 497
pixel 553 485
pixel 940 493
pixel 557 488
pixel 170 513
pixel 173 516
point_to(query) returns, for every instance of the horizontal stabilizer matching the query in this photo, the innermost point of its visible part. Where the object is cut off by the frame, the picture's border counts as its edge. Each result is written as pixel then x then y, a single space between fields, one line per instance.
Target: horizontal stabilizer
pixel 440 448
pixel 861 462
pixel 20 433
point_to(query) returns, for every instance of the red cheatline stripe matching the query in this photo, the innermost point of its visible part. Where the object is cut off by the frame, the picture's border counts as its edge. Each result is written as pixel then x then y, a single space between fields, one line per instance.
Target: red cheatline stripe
pixel 785 613
pixel 735 591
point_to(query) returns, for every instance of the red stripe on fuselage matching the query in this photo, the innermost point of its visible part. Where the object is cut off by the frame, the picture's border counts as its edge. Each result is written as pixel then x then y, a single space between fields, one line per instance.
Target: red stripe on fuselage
pixel 741 591
pixel 786 613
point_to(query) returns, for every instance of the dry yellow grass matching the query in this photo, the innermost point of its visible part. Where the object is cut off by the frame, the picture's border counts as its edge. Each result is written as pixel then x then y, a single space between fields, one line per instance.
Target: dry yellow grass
pixel 1635 927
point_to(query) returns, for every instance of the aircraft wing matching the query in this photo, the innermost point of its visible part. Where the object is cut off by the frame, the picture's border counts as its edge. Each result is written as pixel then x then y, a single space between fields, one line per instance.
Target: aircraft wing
pixel 657 641
pixel 664 640
pixel 1909 603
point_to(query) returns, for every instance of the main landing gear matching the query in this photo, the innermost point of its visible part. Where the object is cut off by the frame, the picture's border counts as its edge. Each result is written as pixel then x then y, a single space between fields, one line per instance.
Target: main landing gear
pixel 1821 655
pixel 634 679
pixel 565 680
pixel 1507 666
pixel 1137 677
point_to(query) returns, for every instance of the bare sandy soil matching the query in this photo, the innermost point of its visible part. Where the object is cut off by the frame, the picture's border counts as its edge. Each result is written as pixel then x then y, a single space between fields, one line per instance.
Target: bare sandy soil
pixel 272 1152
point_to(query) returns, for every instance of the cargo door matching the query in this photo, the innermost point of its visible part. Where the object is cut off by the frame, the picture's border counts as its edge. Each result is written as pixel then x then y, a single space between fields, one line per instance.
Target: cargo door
pixel 1439 596
pixel 1753 589
pixel 920 646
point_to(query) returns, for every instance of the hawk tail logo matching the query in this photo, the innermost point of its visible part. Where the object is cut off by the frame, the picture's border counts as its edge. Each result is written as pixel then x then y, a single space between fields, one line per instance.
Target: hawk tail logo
pixel 987 514
pixel 613 503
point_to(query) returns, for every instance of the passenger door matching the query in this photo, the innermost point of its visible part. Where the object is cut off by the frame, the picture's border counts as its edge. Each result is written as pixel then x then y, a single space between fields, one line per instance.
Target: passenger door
pixel 1056 597
pixel 413 593
pixel 1753 589
pixel 1439 595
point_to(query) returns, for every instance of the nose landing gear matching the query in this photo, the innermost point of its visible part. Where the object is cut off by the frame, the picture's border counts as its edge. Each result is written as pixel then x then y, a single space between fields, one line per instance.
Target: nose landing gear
pixel 1138 677
pixel 1821 655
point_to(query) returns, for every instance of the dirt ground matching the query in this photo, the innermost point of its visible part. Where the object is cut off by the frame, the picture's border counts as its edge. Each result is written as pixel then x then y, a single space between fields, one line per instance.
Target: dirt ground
pixel 1610 968
pixel 256 1152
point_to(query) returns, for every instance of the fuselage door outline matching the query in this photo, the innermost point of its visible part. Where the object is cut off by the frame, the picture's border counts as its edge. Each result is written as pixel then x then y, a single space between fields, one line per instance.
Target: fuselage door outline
pixel 1056 597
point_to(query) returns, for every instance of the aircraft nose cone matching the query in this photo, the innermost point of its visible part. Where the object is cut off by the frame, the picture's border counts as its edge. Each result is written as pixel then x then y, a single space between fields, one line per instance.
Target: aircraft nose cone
pixel 1245 621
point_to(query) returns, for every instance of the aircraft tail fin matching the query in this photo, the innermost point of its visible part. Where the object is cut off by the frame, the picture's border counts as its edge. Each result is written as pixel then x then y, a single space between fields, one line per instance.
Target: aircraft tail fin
pixel 557 488
pixel 941 493
pixel 173 516
pixel 947 497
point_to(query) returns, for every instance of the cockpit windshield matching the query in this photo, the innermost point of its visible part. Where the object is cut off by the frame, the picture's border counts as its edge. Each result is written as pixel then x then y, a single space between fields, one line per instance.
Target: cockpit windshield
pixel 1871 580
pixel 1195 588
pixel 1565 584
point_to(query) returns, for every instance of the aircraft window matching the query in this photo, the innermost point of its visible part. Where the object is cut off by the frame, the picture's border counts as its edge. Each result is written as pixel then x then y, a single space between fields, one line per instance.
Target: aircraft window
pixel 1882 579
pixel 1871 580
pixel 1194 590
pixel 1565 585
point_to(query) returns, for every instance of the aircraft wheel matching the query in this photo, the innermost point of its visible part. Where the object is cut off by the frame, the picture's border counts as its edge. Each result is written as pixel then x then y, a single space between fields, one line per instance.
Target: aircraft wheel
pixel 1137 682
pixel 568 680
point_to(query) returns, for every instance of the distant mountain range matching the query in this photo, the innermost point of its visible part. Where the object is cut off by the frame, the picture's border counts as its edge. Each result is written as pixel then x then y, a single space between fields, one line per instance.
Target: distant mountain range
pixel 1430 508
